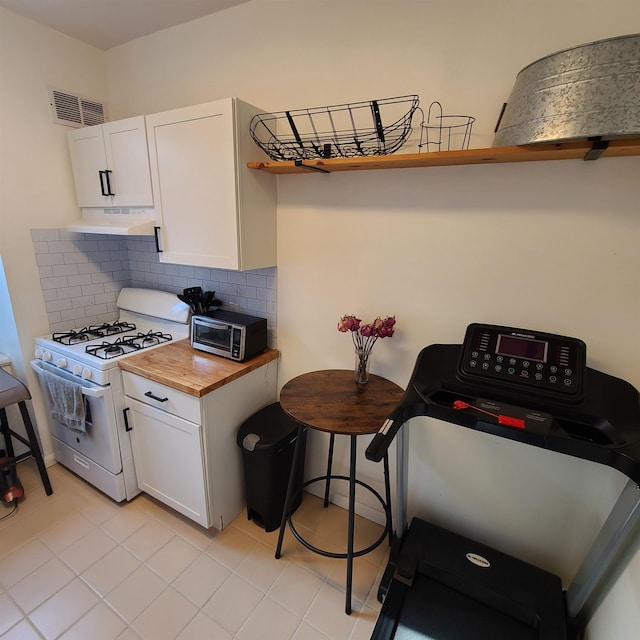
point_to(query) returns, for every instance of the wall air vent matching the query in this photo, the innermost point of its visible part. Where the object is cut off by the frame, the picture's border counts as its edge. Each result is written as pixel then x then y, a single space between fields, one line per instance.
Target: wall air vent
pixel 75 111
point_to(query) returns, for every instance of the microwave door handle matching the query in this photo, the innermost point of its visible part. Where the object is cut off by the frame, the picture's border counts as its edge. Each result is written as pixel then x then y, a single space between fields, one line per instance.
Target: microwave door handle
pixel 216 325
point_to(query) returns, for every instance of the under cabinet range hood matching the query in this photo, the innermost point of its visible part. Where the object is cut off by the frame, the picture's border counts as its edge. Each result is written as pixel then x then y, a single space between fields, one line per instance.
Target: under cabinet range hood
pixel 119 222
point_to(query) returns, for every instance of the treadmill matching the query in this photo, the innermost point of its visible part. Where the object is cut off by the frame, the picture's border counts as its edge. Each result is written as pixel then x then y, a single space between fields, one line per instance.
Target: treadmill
pixel 533 388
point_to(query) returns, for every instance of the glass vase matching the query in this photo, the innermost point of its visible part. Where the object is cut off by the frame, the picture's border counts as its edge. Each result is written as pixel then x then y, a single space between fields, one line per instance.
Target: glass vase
pixel 362 366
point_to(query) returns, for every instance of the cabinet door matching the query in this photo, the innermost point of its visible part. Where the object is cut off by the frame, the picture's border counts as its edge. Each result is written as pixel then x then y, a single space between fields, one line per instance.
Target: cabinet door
pixel 167 452
pixel 111 159
pixel 88 159
pixel 127 155
pixel 193 164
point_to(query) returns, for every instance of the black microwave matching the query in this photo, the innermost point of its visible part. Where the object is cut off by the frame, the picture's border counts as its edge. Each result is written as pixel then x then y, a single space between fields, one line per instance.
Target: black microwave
pixel 232 335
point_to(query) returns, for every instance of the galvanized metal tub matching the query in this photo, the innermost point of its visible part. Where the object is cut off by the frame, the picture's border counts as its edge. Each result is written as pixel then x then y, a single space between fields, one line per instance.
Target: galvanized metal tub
pixel 588 91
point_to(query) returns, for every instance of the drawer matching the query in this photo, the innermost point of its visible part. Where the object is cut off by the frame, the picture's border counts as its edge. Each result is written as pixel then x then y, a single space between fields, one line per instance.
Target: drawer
pixel 162 397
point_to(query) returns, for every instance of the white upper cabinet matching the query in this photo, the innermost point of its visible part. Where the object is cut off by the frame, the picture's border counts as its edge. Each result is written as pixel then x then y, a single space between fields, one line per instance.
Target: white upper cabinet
pixel 110 164
pixel 213 211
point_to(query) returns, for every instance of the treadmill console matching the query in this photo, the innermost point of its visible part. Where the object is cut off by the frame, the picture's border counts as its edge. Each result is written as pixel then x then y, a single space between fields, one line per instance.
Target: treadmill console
pixel 535 362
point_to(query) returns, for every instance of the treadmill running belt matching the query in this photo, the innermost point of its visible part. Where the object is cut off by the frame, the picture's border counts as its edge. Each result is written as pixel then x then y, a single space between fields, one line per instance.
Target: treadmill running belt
pixel 431 610
pixel 449 587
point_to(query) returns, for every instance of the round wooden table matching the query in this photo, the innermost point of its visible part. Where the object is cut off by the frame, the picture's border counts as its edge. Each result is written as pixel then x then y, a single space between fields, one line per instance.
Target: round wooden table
pixel 331 401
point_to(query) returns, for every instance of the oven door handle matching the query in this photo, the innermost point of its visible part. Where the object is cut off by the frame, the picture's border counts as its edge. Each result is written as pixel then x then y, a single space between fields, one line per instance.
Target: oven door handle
pixel 92 391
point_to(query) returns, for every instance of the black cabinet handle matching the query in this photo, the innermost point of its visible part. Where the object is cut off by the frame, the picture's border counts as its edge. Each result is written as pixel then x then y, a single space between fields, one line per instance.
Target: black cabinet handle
pixel 107 174
pixel 126 420
pixel 150 395
pixel 104 186
pixel 155 233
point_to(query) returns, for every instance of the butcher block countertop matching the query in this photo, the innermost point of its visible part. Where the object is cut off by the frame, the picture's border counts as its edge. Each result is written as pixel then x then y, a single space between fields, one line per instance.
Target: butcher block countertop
pixel 179 366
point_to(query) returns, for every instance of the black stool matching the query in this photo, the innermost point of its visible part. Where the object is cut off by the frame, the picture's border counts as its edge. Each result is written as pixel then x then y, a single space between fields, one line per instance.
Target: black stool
pixel 385 502
pixel 12 391
pixel 331 401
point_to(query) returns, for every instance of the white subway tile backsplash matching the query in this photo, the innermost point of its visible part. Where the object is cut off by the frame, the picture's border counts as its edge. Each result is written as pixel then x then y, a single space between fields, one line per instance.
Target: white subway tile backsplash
pixel 107 297
pixel 72 314
pixel 53 283
pixel 256 306
pixel 88 267
pixel 82 274
pixel 69 292
pixel 41 247
pixel 76 281
pixel 256 280
pixel 237 277
pixel 82 301
pixel 101 277
pixel 64 270
pixel 62 246
pixel 266 294
pixel 96 309
pixel 49 258
pixel 44 235
pixel 45 272
pixel 92 289
pixel 75 258
pixel 58 305
pixel 187 272
pixel 245 291
pixel 86 245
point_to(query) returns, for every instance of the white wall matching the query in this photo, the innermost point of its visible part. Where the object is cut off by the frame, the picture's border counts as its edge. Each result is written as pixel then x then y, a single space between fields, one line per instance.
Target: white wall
pixel 36 189
pixel 550 246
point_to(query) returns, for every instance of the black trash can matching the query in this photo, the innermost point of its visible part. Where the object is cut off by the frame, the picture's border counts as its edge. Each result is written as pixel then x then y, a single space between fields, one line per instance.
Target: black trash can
pixel 267 440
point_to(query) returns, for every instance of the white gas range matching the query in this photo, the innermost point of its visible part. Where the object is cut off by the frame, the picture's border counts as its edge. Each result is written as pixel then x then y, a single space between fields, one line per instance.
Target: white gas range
pixel 82 363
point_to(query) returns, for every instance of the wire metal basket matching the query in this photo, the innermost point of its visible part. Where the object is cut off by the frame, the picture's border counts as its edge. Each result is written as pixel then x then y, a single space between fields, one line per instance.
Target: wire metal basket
pixel 375 127
pixel 444 133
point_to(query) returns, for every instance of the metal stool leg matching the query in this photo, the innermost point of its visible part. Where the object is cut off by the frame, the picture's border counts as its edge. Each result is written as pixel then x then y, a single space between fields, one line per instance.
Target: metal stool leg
pixel 329 467
pixel 350 533
pixel 297 452
pixel 6 432
pixel 35 448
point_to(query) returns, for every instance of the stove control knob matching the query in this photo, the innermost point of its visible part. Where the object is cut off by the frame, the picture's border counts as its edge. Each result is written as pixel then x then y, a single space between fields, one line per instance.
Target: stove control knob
pixel 46 356
pixel 77 369
pixel 39 354
pixel 86 374
pixel 61 363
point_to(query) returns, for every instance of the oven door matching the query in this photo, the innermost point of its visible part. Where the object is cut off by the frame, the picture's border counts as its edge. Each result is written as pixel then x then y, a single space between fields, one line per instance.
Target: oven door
pixel 99 442
pixel 214 337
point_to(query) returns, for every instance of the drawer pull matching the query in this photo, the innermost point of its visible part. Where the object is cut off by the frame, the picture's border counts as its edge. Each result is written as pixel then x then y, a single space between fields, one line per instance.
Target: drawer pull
pixel 150 395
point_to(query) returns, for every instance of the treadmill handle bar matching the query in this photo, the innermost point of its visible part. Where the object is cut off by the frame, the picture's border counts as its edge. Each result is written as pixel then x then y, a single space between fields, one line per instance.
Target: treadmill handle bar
pixel 383 439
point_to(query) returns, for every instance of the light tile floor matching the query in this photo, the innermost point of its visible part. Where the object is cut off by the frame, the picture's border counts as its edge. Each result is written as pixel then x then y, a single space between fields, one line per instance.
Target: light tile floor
pixel 78 566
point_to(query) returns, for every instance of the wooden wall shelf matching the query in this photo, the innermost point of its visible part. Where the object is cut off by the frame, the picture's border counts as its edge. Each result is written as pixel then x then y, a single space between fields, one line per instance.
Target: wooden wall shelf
pixel 495 155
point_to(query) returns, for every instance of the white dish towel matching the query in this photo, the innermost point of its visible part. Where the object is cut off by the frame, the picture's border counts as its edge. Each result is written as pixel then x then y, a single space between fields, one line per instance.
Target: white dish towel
pixel 66 401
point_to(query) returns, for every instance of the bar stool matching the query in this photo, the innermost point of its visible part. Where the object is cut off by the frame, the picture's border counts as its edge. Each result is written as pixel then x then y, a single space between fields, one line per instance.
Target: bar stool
pixel 332 402
pixel 12 391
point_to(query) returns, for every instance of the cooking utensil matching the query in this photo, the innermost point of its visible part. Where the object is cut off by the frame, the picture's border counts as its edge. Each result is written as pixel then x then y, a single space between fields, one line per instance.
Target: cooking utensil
pixel 200 301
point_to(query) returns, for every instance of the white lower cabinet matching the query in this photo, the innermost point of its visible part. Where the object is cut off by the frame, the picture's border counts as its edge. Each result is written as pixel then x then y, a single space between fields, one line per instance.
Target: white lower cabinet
pixel 184 447
pixel 168 458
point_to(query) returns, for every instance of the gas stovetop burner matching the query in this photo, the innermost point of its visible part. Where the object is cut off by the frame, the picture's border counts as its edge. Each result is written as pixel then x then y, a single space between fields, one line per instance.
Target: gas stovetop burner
pixel 127 344
pixel 92 332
